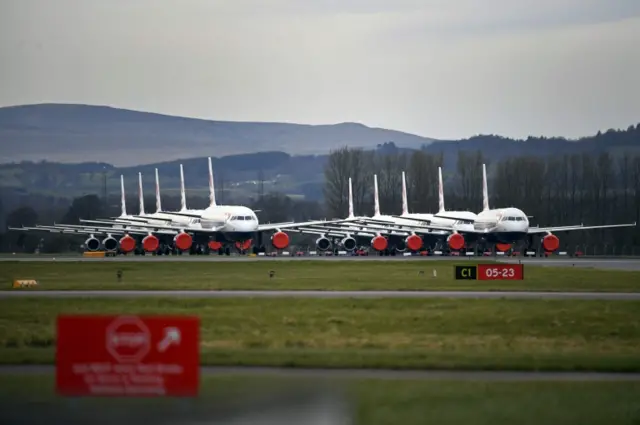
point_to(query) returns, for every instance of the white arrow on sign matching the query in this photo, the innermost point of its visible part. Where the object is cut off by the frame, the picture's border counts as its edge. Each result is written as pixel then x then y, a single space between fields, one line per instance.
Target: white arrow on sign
pixel 171 336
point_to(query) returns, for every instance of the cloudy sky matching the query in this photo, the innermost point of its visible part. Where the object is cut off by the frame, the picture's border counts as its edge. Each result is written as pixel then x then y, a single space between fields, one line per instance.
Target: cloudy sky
pixel 438 68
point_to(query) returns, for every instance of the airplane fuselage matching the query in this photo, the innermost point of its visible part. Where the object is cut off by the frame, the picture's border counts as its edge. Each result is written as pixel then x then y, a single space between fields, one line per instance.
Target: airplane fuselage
pixel 503 225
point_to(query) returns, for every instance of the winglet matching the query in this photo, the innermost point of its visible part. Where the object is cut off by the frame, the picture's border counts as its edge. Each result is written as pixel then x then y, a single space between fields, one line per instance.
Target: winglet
pixel 440 192
pixel 212 192
pixel 123 202
pixel 405 203
pixel 183 195
pixel 158 201
pixel 485 190
pixel 376 202
pixel 141 194
pixel 351 215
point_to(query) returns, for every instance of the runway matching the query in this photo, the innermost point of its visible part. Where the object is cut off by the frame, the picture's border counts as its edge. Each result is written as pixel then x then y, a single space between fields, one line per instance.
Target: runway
pixel 389 374
pixel 629 296
pixel 628 264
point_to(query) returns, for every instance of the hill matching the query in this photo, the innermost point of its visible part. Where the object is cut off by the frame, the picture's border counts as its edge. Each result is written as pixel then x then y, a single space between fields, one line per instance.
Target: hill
pixel 71 133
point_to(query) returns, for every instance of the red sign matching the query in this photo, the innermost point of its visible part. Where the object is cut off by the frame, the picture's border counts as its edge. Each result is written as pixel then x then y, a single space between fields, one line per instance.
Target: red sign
pixel 128 355
pixel 500 272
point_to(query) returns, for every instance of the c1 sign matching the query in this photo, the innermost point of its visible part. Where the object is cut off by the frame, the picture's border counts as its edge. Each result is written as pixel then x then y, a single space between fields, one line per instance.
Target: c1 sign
pixel 128 355
pixel 500 272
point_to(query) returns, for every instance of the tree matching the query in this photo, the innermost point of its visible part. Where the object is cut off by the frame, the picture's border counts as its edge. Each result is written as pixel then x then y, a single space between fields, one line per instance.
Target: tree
pixel 88 207
pixel 341 165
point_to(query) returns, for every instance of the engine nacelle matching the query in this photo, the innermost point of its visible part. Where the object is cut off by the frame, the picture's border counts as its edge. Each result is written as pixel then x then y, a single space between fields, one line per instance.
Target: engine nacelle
pixel 215 245
pixel 182 241
pixel 455 241
pixel 110 244
pixel 127 243
pixel 379 243
pixel 413 242
pixel 348 243
pixel 92 244
pixel 243 245
pixel 280 240
pixel 550 243
pixel 503 247
pixel 323 244
pixel 150 243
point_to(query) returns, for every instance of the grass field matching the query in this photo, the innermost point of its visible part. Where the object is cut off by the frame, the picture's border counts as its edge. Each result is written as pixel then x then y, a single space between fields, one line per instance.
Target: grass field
pixel 390 333
pixel 316 275
pixel 371 402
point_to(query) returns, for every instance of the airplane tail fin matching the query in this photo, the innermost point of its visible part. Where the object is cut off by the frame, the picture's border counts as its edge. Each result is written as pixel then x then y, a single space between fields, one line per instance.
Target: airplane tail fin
pixel 405 203
pixel 141 194
pixel 158 201
pixel 485 190
pixel 376 201
pixel 212 192
pixel 440 192
pixel 183 195
pixel 123 202
pixel 351 215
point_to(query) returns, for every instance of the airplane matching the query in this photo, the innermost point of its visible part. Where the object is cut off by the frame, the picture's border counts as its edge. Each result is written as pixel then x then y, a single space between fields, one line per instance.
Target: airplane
pixel 406 230
pixel 224 224
pixel 506 226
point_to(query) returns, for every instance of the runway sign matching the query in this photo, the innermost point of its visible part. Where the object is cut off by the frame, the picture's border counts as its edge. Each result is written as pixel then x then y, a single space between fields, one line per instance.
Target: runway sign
pixel 500 272
pixel 127 355
pixel 490 272
pixel 466 272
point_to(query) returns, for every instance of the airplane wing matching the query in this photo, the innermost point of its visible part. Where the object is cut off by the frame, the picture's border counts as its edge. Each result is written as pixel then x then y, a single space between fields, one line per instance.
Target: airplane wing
pixel 537 230
pixel 294 225
pixel 81 230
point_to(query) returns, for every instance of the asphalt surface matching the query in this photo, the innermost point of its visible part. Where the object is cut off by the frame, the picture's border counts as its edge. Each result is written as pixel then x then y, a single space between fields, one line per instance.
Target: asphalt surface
pixel 372 373
pixel 628 264
pixel 321 294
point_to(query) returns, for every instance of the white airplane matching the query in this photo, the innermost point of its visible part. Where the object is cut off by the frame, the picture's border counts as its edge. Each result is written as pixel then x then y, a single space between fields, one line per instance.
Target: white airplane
pixel 127 241
pixel 505 226
pixel 404 230
pixel 217 224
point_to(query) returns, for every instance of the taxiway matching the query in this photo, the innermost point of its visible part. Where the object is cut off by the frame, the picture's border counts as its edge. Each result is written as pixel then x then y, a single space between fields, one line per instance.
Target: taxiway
pixel 320 294
pixel 630 264
pixel 328 373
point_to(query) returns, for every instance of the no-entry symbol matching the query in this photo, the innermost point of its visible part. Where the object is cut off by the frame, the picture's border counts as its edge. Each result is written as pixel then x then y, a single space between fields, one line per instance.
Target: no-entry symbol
pixel 128 339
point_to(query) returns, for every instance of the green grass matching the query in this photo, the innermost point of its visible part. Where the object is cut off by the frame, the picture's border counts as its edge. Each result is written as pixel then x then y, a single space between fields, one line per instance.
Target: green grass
pixel 370 401
pixel 379 333
pixel 317 275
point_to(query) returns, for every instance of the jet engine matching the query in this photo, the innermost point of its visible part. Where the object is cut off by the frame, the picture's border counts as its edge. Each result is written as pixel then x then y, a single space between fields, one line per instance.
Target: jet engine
pixel 455 241
pixel 348 243
pixel 323 243
pixel 214 245
pixel 413 242
pixel 110 244
pixel 182 241
pixel 280 240
pixel 379 243
pixel 150 243
pixel 503 247
pixel 550 243
pixel 92 244
pixel 127 243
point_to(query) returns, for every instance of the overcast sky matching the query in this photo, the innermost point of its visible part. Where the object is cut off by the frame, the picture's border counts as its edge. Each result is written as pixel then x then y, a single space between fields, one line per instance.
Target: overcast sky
pixel 438 68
